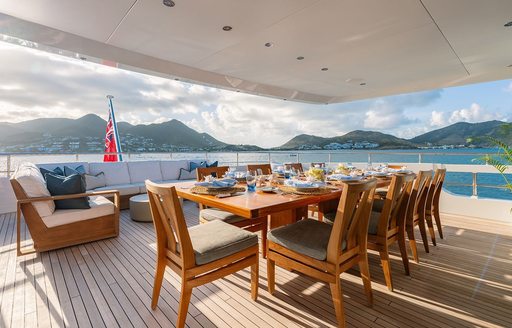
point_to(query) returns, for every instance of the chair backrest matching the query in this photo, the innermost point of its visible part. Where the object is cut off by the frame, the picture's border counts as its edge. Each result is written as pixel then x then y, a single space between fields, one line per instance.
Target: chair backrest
pixel 260 168
pixel 397 195
pixel 217 172
pixel 352 216
pixel 317 165
pixel 295 166
pixel 170 226
pixel 435 189
pixel 417 199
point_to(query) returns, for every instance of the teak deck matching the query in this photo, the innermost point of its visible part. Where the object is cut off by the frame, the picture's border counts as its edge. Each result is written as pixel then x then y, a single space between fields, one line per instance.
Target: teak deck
pixel 465 281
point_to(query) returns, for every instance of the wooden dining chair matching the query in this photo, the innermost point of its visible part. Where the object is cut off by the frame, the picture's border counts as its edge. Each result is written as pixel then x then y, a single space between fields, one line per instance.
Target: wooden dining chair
pixel 387 223
pixel 261 169
pixel 323 251
pixel 432 204
pixel 199 254
pixel 296 166
pixel 415 215
pixel 209 214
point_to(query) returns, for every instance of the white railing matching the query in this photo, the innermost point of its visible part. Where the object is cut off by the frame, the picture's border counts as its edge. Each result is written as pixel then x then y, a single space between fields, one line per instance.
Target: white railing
pixel 419 159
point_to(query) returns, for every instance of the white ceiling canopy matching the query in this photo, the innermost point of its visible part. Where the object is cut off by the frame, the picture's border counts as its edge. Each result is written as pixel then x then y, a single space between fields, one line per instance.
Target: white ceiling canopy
pixel 319 51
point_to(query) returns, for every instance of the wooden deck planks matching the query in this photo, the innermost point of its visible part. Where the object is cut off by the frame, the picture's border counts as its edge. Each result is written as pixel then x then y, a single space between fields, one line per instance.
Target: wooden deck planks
pixel 465 281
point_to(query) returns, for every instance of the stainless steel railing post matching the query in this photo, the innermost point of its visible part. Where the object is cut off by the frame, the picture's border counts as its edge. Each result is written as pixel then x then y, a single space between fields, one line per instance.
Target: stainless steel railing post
pixel 420 159
pixel 8 166
pixel 269 158
pixel 329 160
pixel 237 159
pixel 475 185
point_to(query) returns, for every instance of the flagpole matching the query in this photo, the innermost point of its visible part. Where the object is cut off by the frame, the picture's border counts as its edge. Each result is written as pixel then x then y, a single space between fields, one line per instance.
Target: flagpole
pixel 114 124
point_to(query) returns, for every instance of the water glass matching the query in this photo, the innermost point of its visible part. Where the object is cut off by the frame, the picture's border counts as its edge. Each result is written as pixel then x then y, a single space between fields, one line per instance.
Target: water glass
pixel 250 178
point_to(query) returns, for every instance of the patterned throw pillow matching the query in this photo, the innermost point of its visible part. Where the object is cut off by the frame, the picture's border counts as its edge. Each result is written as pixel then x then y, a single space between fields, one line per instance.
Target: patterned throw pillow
pixel 95 181
pixel 191 173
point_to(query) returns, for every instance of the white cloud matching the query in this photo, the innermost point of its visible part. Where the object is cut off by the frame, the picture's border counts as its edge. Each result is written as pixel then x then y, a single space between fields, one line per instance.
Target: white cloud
pixel 475 113
pixel 437 119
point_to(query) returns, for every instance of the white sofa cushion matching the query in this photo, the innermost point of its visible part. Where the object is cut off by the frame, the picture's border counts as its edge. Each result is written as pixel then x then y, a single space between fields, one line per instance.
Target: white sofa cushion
pixel 100 206
pixel 73 165
pixel 115 173
pixel 142 170
pixel 124 189
pixel 171 169
pixel 95 181
pixel 32 182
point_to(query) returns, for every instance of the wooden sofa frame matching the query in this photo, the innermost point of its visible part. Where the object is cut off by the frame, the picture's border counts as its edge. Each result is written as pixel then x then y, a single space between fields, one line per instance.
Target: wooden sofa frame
pixel 74 233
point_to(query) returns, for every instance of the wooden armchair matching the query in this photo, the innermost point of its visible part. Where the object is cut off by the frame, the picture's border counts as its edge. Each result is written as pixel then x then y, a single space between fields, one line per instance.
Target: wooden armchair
pixel 48 238
pixel 323 251
pixel 209 214
pixel 199 255
pixel 387 223
pixel 432 204
pixel 265 169
pixel 415 215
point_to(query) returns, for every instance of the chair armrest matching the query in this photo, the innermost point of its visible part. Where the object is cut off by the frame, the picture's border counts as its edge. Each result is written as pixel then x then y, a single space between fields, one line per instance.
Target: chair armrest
pixel 71 196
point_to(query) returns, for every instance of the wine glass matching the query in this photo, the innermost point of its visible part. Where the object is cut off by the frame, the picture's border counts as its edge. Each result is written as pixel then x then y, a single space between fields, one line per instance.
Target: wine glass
pixel 250 178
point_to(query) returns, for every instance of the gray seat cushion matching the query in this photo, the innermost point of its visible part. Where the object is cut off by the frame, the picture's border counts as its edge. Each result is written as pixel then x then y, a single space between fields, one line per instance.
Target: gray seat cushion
pixel 211 214
pixel 215 240
pixel 372 226
pixel 308 237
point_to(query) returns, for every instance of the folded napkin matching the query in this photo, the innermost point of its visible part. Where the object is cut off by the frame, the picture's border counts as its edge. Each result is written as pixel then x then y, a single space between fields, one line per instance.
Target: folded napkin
pixel 303 184
pixel 224 183
pixel 343 177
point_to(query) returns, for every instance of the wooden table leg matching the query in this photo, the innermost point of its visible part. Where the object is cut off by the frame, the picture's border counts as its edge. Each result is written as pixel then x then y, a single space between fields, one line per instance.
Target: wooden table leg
pixel 286 217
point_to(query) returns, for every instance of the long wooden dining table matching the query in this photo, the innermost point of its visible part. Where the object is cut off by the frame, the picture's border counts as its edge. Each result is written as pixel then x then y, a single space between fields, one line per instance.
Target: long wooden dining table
pixel 281 208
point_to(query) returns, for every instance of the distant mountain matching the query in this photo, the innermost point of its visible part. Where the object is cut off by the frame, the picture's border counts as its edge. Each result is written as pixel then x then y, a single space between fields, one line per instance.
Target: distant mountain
pixel 88 132
pixel 463 133
pixel 356 138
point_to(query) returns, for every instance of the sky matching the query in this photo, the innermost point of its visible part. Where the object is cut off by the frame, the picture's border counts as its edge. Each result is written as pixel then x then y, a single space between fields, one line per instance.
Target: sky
pixel 36 84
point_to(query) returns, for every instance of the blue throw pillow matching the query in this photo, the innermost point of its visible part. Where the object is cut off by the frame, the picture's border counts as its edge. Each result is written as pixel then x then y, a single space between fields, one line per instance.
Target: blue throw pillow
pixel 60 185
pixel 214 164
pixel 80 169
pixel 195 165
pixel 56 170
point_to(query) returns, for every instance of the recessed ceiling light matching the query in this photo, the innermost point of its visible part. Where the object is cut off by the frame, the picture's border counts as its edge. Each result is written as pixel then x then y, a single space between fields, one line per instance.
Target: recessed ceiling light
pixel 509 65
pixel 169 3
pixel 269 44
pixel 325 69
pixel 284 99
pixel 300 58
pixel 227 28
pixel 83 58
pixel 362 83
pixel 176 79
pixel 509 24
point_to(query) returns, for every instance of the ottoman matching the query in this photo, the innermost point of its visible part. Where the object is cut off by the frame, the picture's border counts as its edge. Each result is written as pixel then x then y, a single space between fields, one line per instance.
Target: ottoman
pixel 139 208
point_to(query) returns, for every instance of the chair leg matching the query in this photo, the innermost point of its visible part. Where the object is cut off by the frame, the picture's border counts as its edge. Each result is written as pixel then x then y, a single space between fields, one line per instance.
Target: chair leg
pixel 255 279
pixel 423 231
pixel 386 267
pixel 159 276
pixel 403 251
pixel 264 231
pixel 271 275
pixel 186 293
pixel 412 243
pixel 430 225
pixel 337 299
pixel 364 268
pixel 438 221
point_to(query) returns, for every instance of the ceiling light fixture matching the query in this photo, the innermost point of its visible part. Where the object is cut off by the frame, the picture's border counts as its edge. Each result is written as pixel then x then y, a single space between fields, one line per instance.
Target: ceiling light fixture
pixel 169 3
pixel 269 44
pixel 362 83
pixel 300 58
pixel 227 28
pixel 509 24
pixel 325 69
pixel 509 65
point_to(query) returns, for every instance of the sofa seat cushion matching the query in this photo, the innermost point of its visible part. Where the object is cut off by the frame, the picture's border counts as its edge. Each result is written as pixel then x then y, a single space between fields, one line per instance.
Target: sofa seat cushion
pixel 211 214
pixel 142 170
pixel 124 189
pixel 100 206
pixel 115 173
pixel 171 169
pixel 215 240
pixel 31 180
pixel 307 237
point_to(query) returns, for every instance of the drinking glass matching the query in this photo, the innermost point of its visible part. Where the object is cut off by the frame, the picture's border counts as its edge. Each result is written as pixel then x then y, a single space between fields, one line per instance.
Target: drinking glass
pixel 250 178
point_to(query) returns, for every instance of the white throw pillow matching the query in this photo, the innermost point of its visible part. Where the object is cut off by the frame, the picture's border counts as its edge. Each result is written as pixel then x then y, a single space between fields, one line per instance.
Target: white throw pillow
pixel 32 182
pixel 95 181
